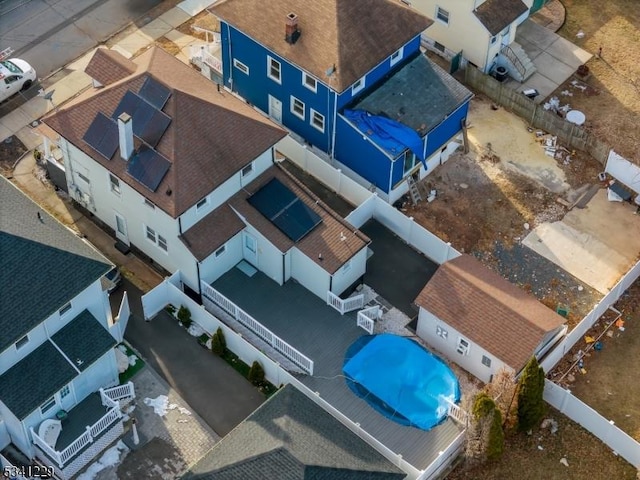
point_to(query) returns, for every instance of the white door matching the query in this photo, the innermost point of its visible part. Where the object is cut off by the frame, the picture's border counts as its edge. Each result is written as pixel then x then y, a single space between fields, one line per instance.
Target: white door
pixel 121 229
pixel 250 249
pixel 275 109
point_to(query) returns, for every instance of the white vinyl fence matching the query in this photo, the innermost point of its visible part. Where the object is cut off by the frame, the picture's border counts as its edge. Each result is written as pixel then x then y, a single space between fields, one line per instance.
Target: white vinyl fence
pixel 346 305
pixel 604 429
pixel 622 169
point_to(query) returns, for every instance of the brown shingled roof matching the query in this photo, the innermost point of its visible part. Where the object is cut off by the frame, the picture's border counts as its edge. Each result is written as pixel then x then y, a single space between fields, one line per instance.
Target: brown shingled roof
pixel 212 231
pixel 325 239
pixel 355 36
pixel 496 15
pixel 489 310
pixel 107 66
pixel 212 134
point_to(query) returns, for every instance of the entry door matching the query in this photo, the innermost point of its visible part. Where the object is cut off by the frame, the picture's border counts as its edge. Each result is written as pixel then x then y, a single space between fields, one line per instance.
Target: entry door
pixel 275 109
pixel 121 229
pixel 250 249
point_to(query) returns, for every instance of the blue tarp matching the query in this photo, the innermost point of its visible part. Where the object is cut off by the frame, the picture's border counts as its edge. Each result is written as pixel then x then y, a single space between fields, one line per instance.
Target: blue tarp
pixel 389 134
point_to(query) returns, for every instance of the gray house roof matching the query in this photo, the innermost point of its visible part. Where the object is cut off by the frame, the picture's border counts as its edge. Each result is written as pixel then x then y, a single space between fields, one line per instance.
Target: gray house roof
pixel 84 340
pixel 290 437
pixel 43 265
pixel 419 95
pixel 35 378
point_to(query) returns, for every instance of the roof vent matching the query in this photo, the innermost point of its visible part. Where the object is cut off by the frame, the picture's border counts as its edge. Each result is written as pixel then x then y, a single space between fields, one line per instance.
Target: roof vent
pixel 292 33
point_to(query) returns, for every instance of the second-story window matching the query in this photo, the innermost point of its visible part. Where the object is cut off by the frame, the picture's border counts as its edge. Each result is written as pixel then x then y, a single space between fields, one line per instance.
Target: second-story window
pixel 247 170
pixel 359 85
pixel 309 82
pixel 22 342
pixel 274 70
pixel 115 185
pixel 442 15
pixel 202 203
pixel 397 56
pixel 65 309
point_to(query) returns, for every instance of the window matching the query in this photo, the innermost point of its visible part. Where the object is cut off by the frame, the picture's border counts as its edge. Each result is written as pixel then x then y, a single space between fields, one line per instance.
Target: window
pixel 463 347
pixel 202 203
pixel 297 107
pixel 397 56
pixel 66 390
pixel 22 342
pixel 220 251
pixel 83 178
pixel 409 160
pixel 151 234
pixel 273 69
pixel 162 243
pixel 241 66
pixel 442 15
pixel 359 85
pixel 486 361
pixel 149 204
pixel 247 170
pixel 317 120
pixel 493 39
pixel 309 82
pixel 115 184
pixel 441 332
pixel 48 405
pixel 65 309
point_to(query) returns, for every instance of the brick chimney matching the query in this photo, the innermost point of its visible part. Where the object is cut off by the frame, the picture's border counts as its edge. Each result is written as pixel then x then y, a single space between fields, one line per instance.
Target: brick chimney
pixel 125 135
pixel 292 34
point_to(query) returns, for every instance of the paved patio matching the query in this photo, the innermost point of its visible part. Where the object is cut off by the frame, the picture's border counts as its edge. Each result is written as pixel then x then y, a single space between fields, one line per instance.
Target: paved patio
pixel 555 58
pixel 320 332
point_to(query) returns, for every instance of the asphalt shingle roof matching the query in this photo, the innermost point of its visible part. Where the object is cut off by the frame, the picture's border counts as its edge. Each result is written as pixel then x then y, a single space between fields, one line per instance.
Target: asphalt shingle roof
pixel 107 66
pixel 290 437
pixel 496 15
pixel 355 36
pixel 488 310
pixel 43 265
pixel 83 340
pixel 212 135
pixel 419 95
pixel 34 379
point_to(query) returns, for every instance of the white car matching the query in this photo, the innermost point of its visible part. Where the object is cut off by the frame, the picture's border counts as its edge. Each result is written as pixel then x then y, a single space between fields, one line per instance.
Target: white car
pixel 15 75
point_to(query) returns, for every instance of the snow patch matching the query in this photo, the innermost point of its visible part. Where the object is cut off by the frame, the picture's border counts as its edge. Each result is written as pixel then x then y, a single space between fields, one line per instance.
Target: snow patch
pixel 196 330
pixel 182 410
pixel 110 458
pixel 160 404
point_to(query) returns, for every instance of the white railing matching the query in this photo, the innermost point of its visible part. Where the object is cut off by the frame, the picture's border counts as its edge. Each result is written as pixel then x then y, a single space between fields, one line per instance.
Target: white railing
pixel 102 424
pixel 79 443
pixel 344 306
pixel 256 327
pixel 367 318
pixel 120 392
pixel 458 414
pixel 44 446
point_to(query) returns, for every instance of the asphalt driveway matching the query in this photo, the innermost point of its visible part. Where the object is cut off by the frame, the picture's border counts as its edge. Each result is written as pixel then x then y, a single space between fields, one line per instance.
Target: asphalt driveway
pixel 210 386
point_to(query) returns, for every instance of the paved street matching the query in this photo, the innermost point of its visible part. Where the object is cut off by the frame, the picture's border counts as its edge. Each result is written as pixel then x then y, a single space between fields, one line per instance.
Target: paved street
pixel 211 387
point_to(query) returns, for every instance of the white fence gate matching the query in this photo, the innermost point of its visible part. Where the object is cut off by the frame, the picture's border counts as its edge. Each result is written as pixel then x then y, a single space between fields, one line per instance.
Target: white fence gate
pixel 346 305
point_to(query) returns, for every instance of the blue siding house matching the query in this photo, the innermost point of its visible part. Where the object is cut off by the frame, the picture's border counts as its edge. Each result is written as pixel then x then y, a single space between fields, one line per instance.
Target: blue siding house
pixel 306 66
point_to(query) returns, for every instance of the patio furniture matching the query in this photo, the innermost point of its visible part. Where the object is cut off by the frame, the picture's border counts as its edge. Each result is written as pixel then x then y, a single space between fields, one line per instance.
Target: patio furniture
pixel 49 431
pixel 576 117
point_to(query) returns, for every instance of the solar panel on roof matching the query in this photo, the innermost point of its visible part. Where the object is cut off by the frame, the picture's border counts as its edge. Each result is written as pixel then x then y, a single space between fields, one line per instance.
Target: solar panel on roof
pixel 155 128
pixel 149 123
pixel 155 93
pixel 148 167
pixel 285 210
pixel 102 136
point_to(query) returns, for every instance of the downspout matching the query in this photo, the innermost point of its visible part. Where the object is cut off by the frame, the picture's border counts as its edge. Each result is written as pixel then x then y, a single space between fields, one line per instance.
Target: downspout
pixel 284 271
pixel 179 225
pixel 199 279
pixel 230 58
pixel 393 161
pixel 335 119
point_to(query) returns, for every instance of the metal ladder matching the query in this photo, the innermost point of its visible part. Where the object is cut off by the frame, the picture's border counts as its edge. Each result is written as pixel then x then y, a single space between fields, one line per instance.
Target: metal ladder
pixel 5 53
pixel 413 190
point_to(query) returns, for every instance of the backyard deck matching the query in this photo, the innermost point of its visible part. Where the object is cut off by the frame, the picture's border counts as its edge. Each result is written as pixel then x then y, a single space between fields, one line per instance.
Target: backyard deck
pixel 321 333
pixel 86 413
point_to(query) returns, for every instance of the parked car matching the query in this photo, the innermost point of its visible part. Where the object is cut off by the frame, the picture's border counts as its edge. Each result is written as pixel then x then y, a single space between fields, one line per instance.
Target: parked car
pixel 114 278
pixel 15 75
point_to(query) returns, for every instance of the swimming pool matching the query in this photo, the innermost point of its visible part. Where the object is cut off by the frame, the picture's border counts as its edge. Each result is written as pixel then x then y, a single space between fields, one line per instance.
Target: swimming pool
pixel 401 379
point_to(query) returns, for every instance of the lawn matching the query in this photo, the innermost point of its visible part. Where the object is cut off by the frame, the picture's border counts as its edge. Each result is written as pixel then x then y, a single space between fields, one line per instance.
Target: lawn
pixel 612 101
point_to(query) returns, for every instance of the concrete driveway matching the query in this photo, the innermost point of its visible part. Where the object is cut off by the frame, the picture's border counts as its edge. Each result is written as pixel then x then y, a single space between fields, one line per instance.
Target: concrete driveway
pixel 597 244
pixel 554 57
pixel 219 394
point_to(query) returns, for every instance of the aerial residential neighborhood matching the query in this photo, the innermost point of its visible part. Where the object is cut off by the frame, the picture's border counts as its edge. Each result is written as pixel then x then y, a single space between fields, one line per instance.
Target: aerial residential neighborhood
pixel 347 239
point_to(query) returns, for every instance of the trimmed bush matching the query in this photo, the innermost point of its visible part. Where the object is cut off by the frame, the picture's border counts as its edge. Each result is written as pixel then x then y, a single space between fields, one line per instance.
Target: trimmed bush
pixel 217 344
pixel 486 436
pixel 220 335
pixel 184 316
pixel 495 442
pixel 256 374
pixel 531 406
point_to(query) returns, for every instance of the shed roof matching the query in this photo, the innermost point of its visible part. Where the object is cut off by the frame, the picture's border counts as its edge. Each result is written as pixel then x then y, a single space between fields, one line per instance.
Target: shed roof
pixel 353 36
pixel 496 15
pixel 488 310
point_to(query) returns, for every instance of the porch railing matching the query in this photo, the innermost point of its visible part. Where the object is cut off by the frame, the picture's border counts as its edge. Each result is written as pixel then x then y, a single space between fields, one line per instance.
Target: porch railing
pixel 346 305
pixel 211 294
pixel 120 392
pixel 508 52
pixel 202 54
pixel 367 318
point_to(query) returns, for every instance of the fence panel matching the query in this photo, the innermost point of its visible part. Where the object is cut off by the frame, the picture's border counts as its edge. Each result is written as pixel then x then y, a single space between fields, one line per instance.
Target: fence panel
pixel 154 301
pixel 363 213
pixel 335 301
pixel 365 322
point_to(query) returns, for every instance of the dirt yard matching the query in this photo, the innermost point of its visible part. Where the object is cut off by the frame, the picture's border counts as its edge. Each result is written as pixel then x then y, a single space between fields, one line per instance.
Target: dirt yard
pixel 610 96
pixel 11 149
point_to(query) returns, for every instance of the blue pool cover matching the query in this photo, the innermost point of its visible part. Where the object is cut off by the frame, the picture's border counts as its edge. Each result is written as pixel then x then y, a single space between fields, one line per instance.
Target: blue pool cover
pixel 401 380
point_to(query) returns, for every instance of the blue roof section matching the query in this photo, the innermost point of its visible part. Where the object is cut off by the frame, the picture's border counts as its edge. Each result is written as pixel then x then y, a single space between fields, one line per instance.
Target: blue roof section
pixel 34 379
pixel 43 264
pixel 419 95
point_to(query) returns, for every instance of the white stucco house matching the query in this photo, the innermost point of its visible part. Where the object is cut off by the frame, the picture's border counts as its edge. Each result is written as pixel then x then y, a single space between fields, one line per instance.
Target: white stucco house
pixel 482 322
pixel 482 31
pixel 185 173
pixel 57 357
